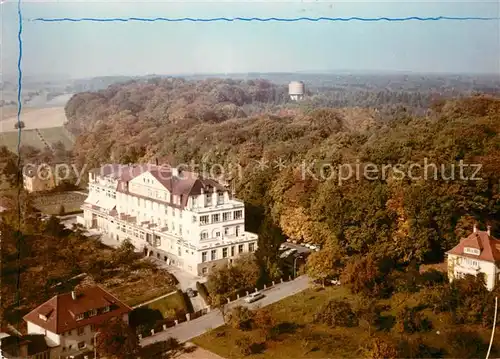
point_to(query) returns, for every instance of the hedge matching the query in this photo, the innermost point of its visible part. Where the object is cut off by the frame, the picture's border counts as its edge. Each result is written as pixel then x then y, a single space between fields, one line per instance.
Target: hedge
pixel 202 290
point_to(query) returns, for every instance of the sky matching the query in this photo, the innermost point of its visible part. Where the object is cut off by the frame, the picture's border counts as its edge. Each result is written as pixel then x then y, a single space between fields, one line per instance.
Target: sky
pixel 86 49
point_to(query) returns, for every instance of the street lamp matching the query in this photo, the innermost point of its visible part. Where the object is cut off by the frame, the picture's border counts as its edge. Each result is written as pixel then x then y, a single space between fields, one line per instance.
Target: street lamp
pixel 295 265
pixel 95 344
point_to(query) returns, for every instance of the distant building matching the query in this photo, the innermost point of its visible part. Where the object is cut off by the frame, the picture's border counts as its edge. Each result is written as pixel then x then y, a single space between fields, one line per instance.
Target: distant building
pixel 31 346
pixel 296 90
pixel 478 253
pixel 176 216
pixel 69 322
pixel 39 178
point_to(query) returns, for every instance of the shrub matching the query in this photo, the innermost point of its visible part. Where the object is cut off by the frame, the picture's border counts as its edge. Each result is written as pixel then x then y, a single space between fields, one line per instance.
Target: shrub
pixel 240 318
pixel 416 348
pixel 368 311
pixel 264 321
pixel 337 313
pixel 465 344
pixel 185 306
pixel 364 276
pixel 382 349
pixel 409 320
pixel 244 345
pixel 432 277
pixel 202 290
pixel 19 124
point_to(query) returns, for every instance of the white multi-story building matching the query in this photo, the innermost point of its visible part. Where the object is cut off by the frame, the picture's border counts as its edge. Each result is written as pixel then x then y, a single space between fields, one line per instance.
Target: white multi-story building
pixel 177 216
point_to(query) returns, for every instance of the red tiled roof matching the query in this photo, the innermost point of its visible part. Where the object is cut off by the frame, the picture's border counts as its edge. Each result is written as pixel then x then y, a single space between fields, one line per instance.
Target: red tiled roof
pixel 61 310
pixel 488 245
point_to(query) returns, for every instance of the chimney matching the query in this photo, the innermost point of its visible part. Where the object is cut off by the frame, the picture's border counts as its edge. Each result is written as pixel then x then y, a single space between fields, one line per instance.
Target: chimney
pixel 156 160
pixel 474 229
pixel 73 295
pixel 488 230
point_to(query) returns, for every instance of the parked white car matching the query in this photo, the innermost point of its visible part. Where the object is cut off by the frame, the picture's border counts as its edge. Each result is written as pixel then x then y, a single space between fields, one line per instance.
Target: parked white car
pixel 254 297
pixel 335 281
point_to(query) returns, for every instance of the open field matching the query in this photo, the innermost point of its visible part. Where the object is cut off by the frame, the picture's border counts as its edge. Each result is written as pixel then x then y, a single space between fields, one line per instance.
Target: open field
pixel 55 134
pixel 300 337
pixel 34 118
pixel 30 138
pixel 50 203
pixel 11 111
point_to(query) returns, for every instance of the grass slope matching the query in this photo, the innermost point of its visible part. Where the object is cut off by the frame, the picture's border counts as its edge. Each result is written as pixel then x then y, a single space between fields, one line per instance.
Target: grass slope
pixel 301 338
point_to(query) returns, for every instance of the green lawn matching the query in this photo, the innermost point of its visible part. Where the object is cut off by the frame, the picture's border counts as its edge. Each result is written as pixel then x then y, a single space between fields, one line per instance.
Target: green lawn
pixel 51 203
pixel 301 338
pixel 172 302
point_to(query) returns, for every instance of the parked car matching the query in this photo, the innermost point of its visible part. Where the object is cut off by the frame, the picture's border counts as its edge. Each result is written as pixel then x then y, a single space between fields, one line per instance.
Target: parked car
pixel 282 247
pixel 312 247
pixel 293 250
pixel 191 293
pixel 254 297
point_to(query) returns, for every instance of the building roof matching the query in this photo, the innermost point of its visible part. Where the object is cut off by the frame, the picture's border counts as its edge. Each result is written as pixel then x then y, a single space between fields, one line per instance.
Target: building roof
pixel 61 310
pixel 11 345
pixel 488 246
pixel 185 183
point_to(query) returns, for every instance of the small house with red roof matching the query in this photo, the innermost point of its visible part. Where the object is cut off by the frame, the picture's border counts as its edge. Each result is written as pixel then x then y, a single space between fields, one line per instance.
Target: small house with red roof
pixel 477 253
pixel 70 321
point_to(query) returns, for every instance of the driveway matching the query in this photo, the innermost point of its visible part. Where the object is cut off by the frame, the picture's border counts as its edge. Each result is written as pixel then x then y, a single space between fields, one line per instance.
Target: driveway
pixel 192 329
pixel 186 280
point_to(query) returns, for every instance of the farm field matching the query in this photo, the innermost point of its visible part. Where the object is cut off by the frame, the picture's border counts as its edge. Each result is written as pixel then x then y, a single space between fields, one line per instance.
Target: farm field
pixel 33 118
pixel 30 138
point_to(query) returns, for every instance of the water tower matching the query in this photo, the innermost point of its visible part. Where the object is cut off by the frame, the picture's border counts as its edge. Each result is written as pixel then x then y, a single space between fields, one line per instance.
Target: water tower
pixel 296 90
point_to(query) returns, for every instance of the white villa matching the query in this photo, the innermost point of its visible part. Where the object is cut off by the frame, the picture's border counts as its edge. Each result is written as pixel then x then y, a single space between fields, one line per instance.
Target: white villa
pixel 478 253
pixel 177 216
pixel 69 323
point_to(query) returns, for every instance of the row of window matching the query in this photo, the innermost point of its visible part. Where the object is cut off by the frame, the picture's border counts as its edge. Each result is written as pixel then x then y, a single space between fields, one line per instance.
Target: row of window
pixel 92 313
pixel 216 233
pixel 80 345
pixel 470 262
pixel 216 218
pixel 474 251
pixel 225 252
pixel 79 331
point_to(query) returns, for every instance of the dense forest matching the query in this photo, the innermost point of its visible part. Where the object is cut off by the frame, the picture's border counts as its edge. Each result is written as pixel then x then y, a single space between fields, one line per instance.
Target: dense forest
pixel 236 123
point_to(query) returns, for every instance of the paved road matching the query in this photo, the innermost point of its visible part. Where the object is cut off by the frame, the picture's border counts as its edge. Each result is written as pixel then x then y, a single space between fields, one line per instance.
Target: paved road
pixel 299 248
pixel 192 329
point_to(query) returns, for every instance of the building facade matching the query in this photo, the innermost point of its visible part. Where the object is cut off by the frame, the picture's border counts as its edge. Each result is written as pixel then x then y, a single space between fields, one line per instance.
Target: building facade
pixel 478 253
pixel 177 216
pixel 70 322
pixel 39 178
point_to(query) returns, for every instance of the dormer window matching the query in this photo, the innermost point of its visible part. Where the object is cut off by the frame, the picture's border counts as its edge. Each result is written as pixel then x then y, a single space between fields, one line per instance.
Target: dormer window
pixel 93 312
pixel 474 251
pixel 42 317
pixel 80 316
pixel 105 309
